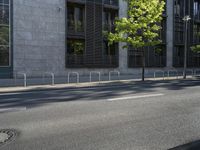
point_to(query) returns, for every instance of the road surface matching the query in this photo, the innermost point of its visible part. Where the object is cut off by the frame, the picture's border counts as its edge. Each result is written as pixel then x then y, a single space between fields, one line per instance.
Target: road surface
pixel 150 116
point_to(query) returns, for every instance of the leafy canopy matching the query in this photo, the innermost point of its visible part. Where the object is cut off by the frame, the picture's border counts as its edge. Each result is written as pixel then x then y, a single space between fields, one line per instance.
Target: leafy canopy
pixel 142 25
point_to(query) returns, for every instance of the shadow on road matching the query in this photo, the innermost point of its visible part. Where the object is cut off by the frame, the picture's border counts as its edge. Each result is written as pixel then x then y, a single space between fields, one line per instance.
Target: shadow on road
pixel 190 146
pixel 39 98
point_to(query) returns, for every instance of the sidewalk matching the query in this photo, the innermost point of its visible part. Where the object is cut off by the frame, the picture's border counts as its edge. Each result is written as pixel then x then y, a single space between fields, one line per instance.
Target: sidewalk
pixel 71 86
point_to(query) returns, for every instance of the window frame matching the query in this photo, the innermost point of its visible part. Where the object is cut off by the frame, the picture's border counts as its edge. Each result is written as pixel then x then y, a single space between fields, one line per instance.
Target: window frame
pixel 10 36
pixel 74 6
pixel 76 40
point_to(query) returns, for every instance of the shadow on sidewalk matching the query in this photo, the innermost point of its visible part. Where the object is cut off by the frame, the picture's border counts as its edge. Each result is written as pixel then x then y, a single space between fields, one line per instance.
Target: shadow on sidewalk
pixel 44 97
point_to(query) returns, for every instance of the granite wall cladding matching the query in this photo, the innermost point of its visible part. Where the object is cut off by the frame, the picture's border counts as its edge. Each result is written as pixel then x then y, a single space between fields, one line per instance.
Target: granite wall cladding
pixel 39 35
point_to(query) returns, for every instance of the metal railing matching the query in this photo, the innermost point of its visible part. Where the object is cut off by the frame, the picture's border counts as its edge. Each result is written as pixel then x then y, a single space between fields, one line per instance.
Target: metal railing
pixel 73 73
pixel 95 72
pixel 114 72
pixel 52 77
pixel 189 70
pixel 196 72
pixel 172 71
pixel 24 76
pixel 159 71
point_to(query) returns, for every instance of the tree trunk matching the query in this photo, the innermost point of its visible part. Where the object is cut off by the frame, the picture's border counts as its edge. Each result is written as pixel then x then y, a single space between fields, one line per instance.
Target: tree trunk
pixel 143 64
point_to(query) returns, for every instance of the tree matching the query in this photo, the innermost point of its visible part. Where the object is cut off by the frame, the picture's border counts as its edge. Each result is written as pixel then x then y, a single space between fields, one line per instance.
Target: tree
pixel 141 28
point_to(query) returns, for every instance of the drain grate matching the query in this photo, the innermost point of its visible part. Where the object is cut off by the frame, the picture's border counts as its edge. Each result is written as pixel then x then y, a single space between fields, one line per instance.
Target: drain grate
pixel 7 135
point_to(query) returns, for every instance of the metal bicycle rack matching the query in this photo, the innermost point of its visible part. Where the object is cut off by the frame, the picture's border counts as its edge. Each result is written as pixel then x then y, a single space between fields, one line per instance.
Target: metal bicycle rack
pixel 196 72
pixel 159 71
pixel 171 71
pixel 189 70
pixel 112 72
pixel 95 72
pixel 52 77
pixel 24 76
pixel 77 76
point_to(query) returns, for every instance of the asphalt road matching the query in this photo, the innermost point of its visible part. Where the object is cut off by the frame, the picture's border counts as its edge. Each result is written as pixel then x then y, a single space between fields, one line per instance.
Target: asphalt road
pixel 149 116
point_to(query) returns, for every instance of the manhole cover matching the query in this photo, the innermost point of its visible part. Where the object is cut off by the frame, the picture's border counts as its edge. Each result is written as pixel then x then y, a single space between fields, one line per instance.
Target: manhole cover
pixel 7 135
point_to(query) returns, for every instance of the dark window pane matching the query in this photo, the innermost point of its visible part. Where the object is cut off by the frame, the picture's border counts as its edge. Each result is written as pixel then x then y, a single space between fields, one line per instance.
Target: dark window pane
pixel 70 18
pixel 111 2
pixel 4 55
pixel 196 8
pixel 75 47
pixel 179 8
pixel 4 14
pixel 79 19
pixel 6 1
pixel 109 49
pixel 75 18
pixel 109 20
pixel 178 56
pixel 4 35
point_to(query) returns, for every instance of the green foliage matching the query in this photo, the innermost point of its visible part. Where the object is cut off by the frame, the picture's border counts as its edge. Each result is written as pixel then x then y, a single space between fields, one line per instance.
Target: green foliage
pixel 196 48
pixel 141 28
pixel 158 50
pixel 78 48
pixel 4 35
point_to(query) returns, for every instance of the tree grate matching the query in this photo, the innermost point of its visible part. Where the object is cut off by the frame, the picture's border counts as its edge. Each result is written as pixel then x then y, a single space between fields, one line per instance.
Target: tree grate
pixel 9 134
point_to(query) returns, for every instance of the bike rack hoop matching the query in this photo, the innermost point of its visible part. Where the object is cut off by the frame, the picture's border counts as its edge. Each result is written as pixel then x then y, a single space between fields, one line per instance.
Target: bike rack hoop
pixel 77 76
pixel 24 76
pixel 159 71
pixel 189 70
pixel 95 72
pixel 110 73
pixel 52 77
pixel 195 71
pixel 173 70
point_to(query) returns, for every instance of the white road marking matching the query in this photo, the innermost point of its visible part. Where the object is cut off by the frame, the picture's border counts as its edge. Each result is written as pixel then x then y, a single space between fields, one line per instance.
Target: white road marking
pixel 135 97
pixel 8 94
pixel 12 109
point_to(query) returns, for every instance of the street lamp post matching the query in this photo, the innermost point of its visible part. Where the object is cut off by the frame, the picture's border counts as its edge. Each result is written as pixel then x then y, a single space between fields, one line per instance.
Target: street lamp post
pixel 185 19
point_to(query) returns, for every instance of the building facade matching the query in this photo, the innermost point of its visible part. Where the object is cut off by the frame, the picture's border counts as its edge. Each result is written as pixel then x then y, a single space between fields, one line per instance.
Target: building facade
pixel 61 36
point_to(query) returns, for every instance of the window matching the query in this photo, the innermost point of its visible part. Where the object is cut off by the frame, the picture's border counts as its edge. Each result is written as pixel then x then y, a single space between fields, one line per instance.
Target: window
pixel 110 49
pixel 178 8
pixel 75 52
pixel 154 56
pixel 86 43
pixel 109 17
pixel 196 11
pixel 75 47
pixel 134 57
pixel 179 31
pixel 162 32
pixel 196 30
pixel 4 32
pixel 178 56
pixel 75 18
pixel 111 2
